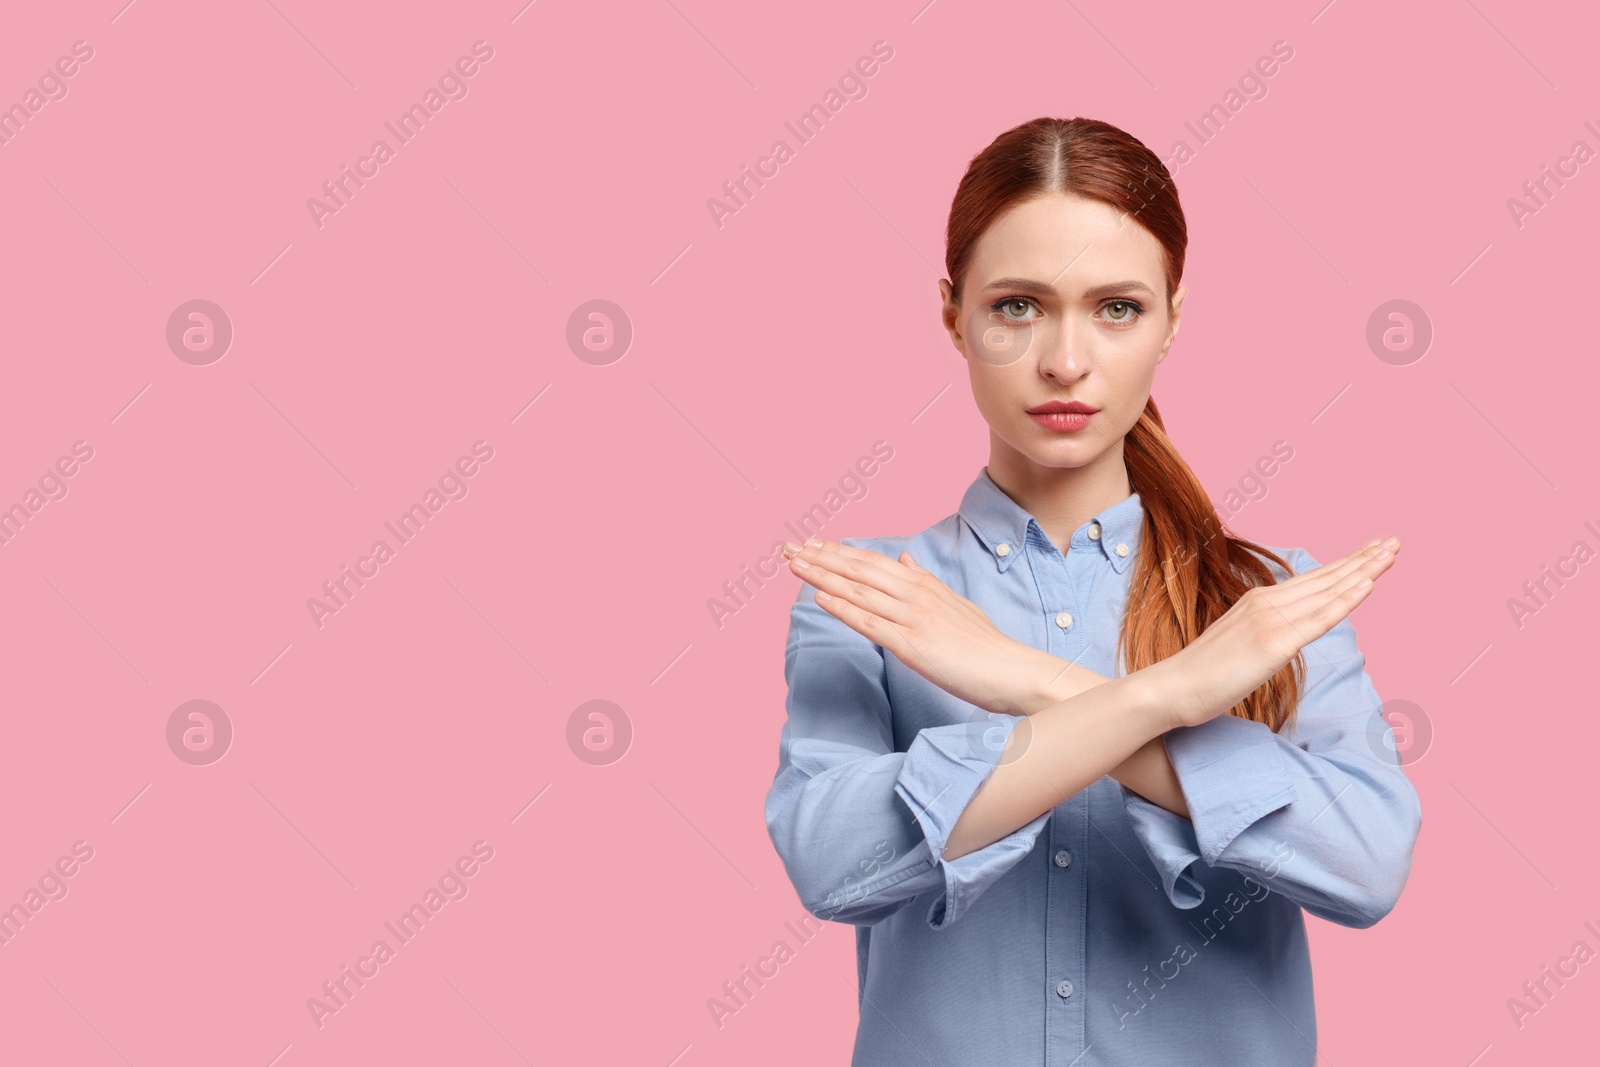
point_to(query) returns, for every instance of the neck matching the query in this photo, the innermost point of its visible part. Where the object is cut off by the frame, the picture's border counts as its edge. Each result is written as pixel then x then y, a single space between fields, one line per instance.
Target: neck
pixel 1060 498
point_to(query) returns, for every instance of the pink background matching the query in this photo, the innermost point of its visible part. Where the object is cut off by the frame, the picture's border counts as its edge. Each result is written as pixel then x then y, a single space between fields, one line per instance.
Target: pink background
pixel 768 354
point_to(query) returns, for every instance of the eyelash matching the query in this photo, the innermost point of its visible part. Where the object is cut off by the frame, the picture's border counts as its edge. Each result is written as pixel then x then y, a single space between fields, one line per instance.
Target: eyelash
pixel 1134 304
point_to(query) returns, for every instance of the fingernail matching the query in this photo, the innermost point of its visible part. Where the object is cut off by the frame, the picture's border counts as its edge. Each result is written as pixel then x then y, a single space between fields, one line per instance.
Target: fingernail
pixel 813 543
pixel 799 561
pixel 790 548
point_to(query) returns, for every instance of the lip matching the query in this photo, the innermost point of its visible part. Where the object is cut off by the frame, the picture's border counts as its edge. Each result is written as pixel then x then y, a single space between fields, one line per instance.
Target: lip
pixel 1062 421
pixel 1063 416
pixel 1075 407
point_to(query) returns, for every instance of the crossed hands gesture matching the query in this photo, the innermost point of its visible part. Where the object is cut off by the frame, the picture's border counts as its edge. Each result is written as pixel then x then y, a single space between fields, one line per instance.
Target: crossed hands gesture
pixel 946 638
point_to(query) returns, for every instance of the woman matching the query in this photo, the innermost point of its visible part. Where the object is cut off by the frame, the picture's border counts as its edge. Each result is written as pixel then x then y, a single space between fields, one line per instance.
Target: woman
pixel 1074 759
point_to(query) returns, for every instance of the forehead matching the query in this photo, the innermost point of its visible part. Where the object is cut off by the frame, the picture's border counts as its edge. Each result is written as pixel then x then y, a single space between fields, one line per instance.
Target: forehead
pixel 1040 237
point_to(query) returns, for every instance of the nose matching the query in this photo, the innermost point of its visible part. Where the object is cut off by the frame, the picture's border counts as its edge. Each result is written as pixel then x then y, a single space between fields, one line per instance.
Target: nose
pixel 1063 356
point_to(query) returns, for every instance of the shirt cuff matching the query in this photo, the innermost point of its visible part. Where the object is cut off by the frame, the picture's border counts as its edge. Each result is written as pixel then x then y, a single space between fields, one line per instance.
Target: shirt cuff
pixel 1169 841
pixel 1232 773
pixel 943 769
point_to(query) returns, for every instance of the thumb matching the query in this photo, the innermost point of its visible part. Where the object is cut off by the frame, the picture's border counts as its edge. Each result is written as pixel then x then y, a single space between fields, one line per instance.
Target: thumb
pixel 905 557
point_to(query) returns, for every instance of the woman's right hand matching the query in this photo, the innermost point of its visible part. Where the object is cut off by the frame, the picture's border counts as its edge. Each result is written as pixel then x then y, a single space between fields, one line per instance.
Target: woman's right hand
pixel 1262 632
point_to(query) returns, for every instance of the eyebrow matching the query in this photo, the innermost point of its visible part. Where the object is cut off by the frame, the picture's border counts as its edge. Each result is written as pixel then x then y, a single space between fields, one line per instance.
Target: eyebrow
pixel 1036 288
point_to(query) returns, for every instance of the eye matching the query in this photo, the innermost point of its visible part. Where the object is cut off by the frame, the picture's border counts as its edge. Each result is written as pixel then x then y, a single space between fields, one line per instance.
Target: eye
pixel 1130 311
pixel 1008 304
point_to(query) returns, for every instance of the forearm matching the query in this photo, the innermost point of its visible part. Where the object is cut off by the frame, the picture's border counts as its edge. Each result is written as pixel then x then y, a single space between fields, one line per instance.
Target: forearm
pixel 1057 752
pixel 1148 771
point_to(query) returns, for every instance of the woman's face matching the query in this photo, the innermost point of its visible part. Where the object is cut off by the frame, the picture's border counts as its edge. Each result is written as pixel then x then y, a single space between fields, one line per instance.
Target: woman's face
pixel 1064 300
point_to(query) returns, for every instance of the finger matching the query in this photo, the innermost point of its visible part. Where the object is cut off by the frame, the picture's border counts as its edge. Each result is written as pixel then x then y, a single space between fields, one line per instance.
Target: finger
pixel 819 570
pixel 873 627
pixel 865 569
pixel 816 546
pixel 1314 615
pixel 1370 562
pixel 1319 578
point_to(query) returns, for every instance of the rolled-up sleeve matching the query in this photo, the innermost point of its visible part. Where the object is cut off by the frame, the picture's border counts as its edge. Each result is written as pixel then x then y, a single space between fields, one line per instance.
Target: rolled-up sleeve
pixel 1321 812
pixel 861 827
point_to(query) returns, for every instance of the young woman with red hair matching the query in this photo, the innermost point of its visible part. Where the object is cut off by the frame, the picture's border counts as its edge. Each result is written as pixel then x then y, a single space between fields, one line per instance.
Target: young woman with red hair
pixel 1074 759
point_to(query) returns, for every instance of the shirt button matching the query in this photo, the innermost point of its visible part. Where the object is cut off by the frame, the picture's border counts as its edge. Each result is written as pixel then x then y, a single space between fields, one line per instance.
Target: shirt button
pixel 1064 620
pixel 1064 988
pixel 1063 858
pixel 1094 531
pixel 1122 550
pixel 1002 550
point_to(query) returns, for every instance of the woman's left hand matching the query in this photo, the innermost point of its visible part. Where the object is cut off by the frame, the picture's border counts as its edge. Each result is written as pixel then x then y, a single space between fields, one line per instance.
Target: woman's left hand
pixel 941 635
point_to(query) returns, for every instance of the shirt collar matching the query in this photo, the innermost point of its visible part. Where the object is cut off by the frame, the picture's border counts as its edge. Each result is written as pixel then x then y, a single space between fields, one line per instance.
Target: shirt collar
pixel 1002 525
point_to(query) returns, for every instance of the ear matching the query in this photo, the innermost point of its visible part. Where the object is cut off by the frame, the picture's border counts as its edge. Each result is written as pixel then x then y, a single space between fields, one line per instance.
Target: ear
pixel 950 314
pixel 1176 320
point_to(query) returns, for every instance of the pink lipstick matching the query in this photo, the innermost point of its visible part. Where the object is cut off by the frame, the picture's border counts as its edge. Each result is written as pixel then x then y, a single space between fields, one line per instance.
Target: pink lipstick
pixel 1063 416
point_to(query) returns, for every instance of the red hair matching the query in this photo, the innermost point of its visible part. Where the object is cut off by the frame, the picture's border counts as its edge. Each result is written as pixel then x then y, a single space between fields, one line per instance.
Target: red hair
pixel 1191 570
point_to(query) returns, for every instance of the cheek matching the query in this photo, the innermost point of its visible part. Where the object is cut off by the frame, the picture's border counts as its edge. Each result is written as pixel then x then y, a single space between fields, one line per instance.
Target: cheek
pixel 1133 387
pixel 986 392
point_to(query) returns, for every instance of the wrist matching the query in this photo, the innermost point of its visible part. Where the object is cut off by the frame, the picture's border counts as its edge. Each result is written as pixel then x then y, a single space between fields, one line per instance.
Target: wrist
pixel 1154 701
pixel 1050 679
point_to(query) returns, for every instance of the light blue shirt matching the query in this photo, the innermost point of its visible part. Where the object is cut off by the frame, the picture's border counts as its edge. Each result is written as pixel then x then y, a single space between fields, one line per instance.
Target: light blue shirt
pixel 1107 930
